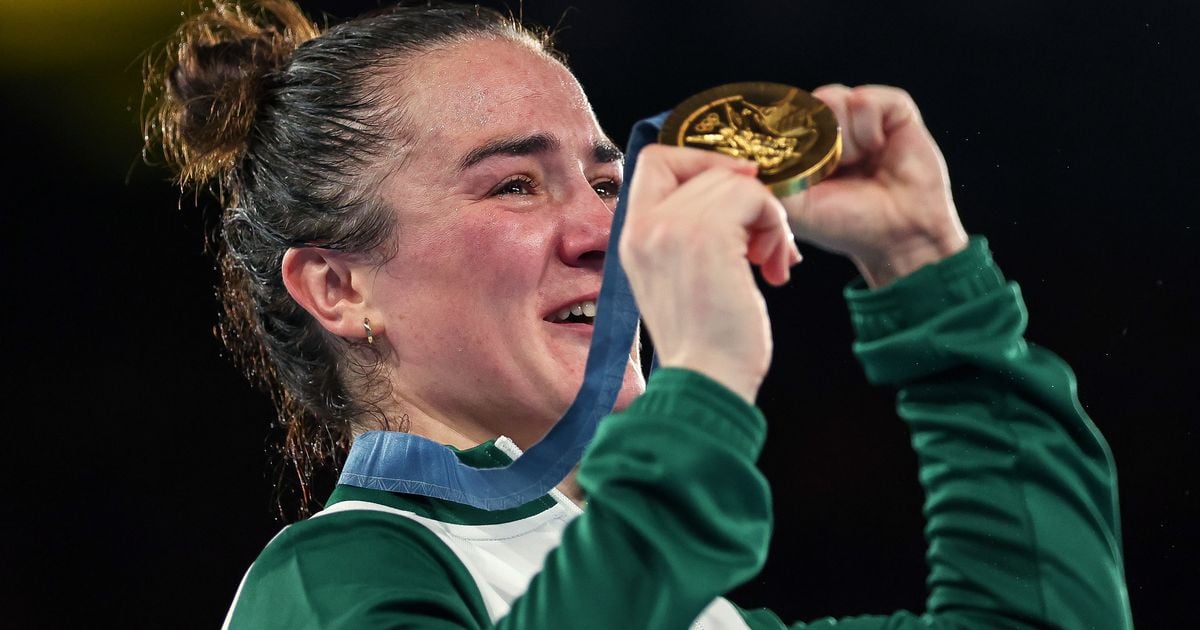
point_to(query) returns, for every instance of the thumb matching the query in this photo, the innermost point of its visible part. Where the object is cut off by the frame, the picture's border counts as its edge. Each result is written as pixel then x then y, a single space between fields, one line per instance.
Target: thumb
pixel 835 214
pixel 798 207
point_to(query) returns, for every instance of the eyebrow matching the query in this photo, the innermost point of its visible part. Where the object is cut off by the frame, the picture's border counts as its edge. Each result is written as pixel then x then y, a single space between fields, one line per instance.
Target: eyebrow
pixel 603 151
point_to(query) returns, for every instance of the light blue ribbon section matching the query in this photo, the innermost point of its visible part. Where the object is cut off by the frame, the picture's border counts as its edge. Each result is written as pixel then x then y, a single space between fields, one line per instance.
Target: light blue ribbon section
pixel 411 464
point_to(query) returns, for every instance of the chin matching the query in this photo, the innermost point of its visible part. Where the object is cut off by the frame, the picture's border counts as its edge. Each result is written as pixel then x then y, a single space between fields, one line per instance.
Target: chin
pixel 633 384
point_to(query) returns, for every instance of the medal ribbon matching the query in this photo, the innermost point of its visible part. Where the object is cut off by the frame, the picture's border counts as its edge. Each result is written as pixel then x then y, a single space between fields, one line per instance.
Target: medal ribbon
pixel 411 464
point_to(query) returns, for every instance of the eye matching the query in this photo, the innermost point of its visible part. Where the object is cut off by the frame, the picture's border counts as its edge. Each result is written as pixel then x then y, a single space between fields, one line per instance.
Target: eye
pixel 518 185
pixel 607 189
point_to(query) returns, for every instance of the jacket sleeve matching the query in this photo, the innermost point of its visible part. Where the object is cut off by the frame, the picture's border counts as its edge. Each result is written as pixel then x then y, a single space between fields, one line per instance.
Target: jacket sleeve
pixel 1020 488
pixel 677 514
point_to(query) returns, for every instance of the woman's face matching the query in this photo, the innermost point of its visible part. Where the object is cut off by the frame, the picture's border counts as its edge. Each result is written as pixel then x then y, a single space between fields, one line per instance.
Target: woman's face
pixel 503 204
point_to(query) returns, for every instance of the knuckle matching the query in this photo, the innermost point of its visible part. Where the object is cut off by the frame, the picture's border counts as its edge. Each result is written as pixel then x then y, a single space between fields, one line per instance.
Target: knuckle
pixel 749 188
pixel 832 89
pixel 641 239
pixel 632 250
pixel 651 150
pixel 654 153
pixel 902 96
pixel 626 249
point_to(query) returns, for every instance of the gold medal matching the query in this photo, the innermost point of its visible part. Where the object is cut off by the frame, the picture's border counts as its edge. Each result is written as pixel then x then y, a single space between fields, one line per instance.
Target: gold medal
pixel 791 134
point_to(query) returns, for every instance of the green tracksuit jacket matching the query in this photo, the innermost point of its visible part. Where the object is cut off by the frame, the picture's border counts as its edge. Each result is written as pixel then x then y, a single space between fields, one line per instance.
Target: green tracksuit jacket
pixel 1021 508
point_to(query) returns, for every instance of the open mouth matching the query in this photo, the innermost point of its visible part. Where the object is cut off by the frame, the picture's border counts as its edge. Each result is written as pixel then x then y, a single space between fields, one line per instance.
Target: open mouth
pixel 580 313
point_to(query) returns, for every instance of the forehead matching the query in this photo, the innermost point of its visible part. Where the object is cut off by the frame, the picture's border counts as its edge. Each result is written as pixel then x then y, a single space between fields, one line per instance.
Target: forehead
pixel 481 89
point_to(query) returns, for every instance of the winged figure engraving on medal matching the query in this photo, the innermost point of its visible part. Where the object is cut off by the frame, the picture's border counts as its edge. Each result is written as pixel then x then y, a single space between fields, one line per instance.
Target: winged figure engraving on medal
pixel 775 135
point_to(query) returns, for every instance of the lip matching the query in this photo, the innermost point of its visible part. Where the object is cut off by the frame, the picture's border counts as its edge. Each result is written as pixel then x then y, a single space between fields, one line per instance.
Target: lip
pixel 571 302
pixel 575 327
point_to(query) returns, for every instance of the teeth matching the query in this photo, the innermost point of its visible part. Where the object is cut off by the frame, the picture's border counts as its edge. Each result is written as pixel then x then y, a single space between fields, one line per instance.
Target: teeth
pixel 586 308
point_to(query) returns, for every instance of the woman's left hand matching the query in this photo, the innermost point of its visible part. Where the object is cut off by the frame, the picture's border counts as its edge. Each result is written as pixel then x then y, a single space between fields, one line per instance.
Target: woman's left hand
pixel 888 205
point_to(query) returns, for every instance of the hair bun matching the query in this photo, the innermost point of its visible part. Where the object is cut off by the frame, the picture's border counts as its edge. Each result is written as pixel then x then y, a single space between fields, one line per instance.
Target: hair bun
pixel 207 88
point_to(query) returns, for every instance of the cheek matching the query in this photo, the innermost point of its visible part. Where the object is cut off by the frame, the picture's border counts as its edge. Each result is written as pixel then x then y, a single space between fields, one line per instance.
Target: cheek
pixel 445 276
pixel 505 256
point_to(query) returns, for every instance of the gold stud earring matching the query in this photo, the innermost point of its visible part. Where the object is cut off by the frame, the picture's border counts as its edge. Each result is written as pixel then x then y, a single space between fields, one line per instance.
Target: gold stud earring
pixel 370 334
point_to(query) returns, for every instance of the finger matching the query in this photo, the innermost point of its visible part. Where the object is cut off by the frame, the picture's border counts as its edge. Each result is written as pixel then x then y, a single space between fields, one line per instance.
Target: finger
pixel 771 233
pixel 834 96
pixel 662 169
pixel 896 107
pixel 877 113
pixel 797 207
pixel 807 208
pixel 866 122
pixel 788 252
pixel 777 270
pixel 776 265
pixel 867 114
pixel 720 205
pixel 716 195
pixel 761 250
pixel 774 250
pixel 716 201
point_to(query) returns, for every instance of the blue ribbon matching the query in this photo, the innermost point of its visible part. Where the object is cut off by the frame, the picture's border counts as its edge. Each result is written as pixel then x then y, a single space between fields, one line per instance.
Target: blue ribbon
pixel 411 464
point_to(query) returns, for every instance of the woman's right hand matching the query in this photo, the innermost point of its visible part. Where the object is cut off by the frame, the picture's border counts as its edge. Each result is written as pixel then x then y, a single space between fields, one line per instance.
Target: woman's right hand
pixel 694 218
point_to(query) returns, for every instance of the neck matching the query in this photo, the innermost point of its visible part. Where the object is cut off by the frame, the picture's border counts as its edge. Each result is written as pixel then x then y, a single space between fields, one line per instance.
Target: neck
pixel 417 422
pixel 411 416
pixel 570 488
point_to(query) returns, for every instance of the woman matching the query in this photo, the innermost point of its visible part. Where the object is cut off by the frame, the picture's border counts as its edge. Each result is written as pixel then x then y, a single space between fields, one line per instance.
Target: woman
pixel 418 212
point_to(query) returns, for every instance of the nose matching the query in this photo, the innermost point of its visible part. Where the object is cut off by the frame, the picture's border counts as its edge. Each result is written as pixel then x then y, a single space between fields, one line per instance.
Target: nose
pixel 586 226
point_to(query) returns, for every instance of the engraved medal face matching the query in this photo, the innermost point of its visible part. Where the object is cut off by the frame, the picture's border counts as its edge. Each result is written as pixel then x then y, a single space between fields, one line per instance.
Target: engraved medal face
pixel 792 135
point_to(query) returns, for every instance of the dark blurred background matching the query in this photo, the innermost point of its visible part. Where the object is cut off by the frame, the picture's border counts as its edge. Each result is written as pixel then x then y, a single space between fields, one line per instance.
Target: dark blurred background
pixel 136 467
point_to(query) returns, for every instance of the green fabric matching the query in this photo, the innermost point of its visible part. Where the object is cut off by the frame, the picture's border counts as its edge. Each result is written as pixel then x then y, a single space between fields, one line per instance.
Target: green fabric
pixel 358 569
pixel 1021 505
pixel 677 514
pixel 638 556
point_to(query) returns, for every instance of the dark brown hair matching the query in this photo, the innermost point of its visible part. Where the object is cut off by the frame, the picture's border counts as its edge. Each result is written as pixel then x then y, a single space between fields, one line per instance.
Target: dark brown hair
pixel 290 129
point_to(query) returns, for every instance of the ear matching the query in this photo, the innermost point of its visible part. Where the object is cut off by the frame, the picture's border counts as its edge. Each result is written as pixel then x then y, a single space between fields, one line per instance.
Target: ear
pixel 327 284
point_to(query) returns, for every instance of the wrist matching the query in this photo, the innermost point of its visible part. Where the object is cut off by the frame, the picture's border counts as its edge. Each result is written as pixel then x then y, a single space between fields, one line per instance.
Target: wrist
pixel 883 268
pixel 743 382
